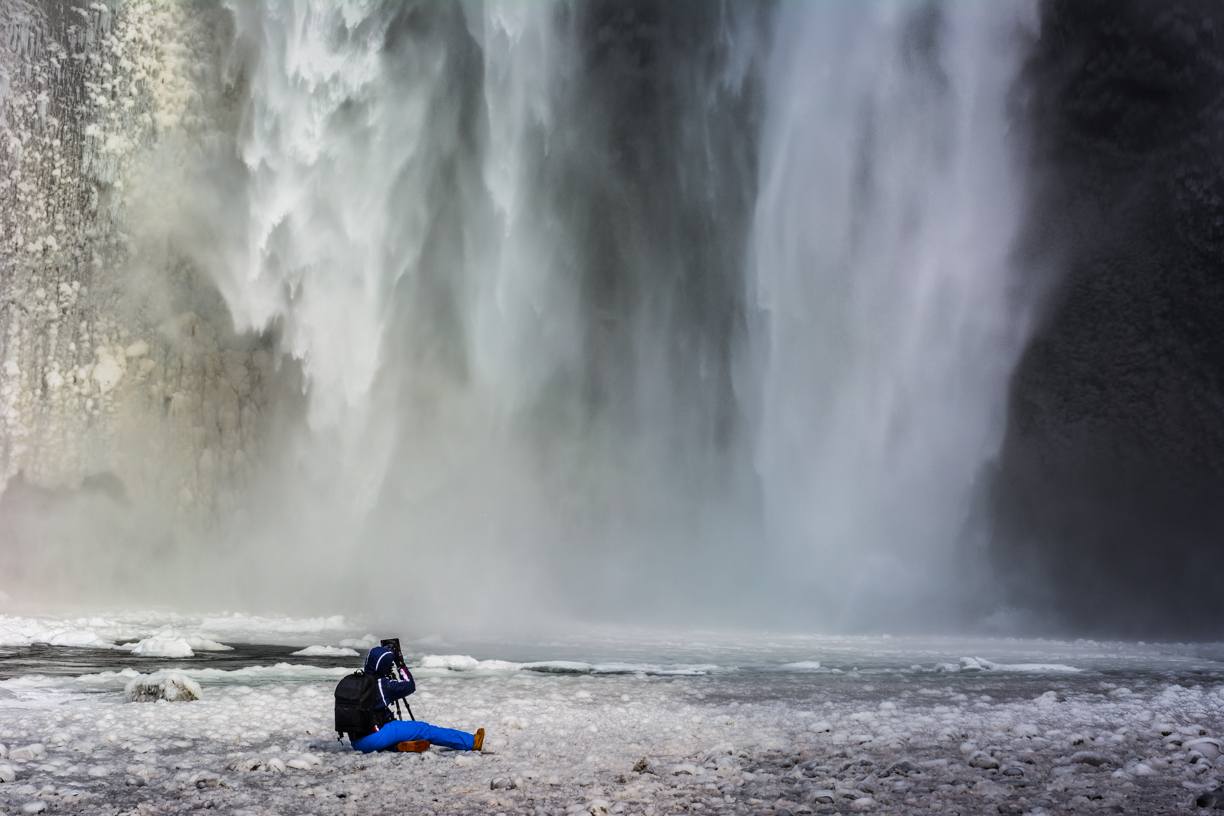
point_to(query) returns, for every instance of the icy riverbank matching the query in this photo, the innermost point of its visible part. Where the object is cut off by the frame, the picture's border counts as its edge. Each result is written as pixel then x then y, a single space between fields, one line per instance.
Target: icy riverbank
pixel 1128 731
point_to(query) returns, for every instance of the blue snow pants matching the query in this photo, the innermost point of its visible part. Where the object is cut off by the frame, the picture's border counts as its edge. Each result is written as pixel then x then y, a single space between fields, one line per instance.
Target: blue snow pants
pixel 398 731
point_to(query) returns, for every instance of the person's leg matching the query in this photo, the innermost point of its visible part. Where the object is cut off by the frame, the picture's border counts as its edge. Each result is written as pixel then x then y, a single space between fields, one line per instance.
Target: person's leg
pixel 399 731
pixel 446 737
pixel 389 735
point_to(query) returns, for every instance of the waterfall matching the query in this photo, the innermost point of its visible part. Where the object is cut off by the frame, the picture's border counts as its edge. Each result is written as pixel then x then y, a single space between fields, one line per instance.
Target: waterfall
pixel 891 196
pixel 595 309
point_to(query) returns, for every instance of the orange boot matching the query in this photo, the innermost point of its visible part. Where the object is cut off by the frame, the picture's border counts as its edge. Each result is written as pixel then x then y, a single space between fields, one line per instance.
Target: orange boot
pixel 413 747
pixel 478 739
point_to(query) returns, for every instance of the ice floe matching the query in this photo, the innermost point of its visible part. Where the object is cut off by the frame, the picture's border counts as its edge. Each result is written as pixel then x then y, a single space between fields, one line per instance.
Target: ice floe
pixel 327 651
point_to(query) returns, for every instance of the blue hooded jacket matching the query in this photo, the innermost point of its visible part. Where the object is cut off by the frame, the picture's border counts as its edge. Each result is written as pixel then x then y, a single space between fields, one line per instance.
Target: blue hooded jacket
pixel 380 663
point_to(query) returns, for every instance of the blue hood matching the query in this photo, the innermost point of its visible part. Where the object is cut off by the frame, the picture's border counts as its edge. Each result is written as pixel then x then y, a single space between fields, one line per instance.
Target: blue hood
pixel 379 662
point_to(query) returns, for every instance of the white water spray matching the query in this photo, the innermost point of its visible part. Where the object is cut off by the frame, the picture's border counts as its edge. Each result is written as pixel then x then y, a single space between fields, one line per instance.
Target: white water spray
pixel 886 218
pixel 549 354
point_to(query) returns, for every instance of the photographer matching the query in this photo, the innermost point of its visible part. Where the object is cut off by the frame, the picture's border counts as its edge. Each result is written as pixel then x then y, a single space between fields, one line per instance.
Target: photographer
pixel 390 733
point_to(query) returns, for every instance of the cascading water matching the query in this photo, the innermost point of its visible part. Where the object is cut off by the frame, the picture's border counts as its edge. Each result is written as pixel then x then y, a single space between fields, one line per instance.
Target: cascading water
pixel 890 200
pixel 602 309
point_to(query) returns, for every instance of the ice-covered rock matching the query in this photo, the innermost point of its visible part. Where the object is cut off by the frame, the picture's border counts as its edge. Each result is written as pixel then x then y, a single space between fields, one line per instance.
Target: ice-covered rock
pixel 27 752
pixel 981 759
pixel 1209 747
pixel 304 762
pixel 246 764
pixel 1088 758
pixel 37 806
pixel 3 750
pixel 171 686
pixel 7 772
pixel 275 765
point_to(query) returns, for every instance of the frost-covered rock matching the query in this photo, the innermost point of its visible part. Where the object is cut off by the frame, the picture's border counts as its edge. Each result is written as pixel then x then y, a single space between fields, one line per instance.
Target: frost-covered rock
pixel 171 686
pixel 981 759
pixel 1088 758
pixel 304 762
pixel 7 773
pixel 246 764
pixel 27 752
pixel 1209 747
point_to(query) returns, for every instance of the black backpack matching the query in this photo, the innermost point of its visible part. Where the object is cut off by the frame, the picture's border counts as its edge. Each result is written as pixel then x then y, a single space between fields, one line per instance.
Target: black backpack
pixel 356 696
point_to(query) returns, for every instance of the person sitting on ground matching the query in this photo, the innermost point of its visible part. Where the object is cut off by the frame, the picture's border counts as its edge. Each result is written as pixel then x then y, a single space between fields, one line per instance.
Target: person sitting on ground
pixel 390 733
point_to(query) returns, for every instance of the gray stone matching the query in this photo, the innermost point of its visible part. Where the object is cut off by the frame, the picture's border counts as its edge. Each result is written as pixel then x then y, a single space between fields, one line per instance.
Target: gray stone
pixel 1089 758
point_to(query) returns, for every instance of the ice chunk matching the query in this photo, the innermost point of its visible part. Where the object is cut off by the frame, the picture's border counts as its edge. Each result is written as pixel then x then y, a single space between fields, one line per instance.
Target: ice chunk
pixel 304 762
pixel 452 662
pixel 203 644
pixel 468 663
pixel 803 665
pixel 7 773
pixel 37 806
pixel 326 651
pixel 158 646
pixel 1207 746
pixel 171 686
pixel 35 751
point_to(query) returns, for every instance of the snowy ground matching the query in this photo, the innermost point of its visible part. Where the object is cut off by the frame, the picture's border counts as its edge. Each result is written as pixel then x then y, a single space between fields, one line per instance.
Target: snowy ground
pixel 705 725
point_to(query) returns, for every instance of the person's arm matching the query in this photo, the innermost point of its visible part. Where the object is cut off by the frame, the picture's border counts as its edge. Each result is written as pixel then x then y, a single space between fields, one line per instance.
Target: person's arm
pixel 393 690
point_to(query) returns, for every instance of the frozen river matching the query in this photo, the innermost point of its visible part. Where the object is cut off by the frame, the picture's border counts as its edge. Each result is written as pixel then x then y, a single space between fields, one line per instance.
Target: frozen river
pixel 619 722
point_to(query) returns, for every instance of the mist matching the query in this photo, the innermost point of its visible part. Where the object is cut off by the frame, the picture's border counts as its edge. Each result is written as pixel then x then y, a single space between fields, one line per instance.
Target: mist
pixel 515 315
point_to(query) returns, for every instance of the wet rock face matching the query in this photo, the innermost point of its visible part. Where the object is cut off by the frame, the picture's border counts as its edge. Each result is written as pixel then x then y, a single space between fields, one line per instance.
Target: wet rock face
pixel 1107 497
pixel 123 386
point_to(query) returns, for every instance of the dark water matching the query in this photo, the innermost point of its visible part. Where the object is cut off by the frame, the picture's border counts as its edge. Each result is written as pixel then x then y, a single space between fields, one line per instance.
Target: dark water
pixel 64 661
